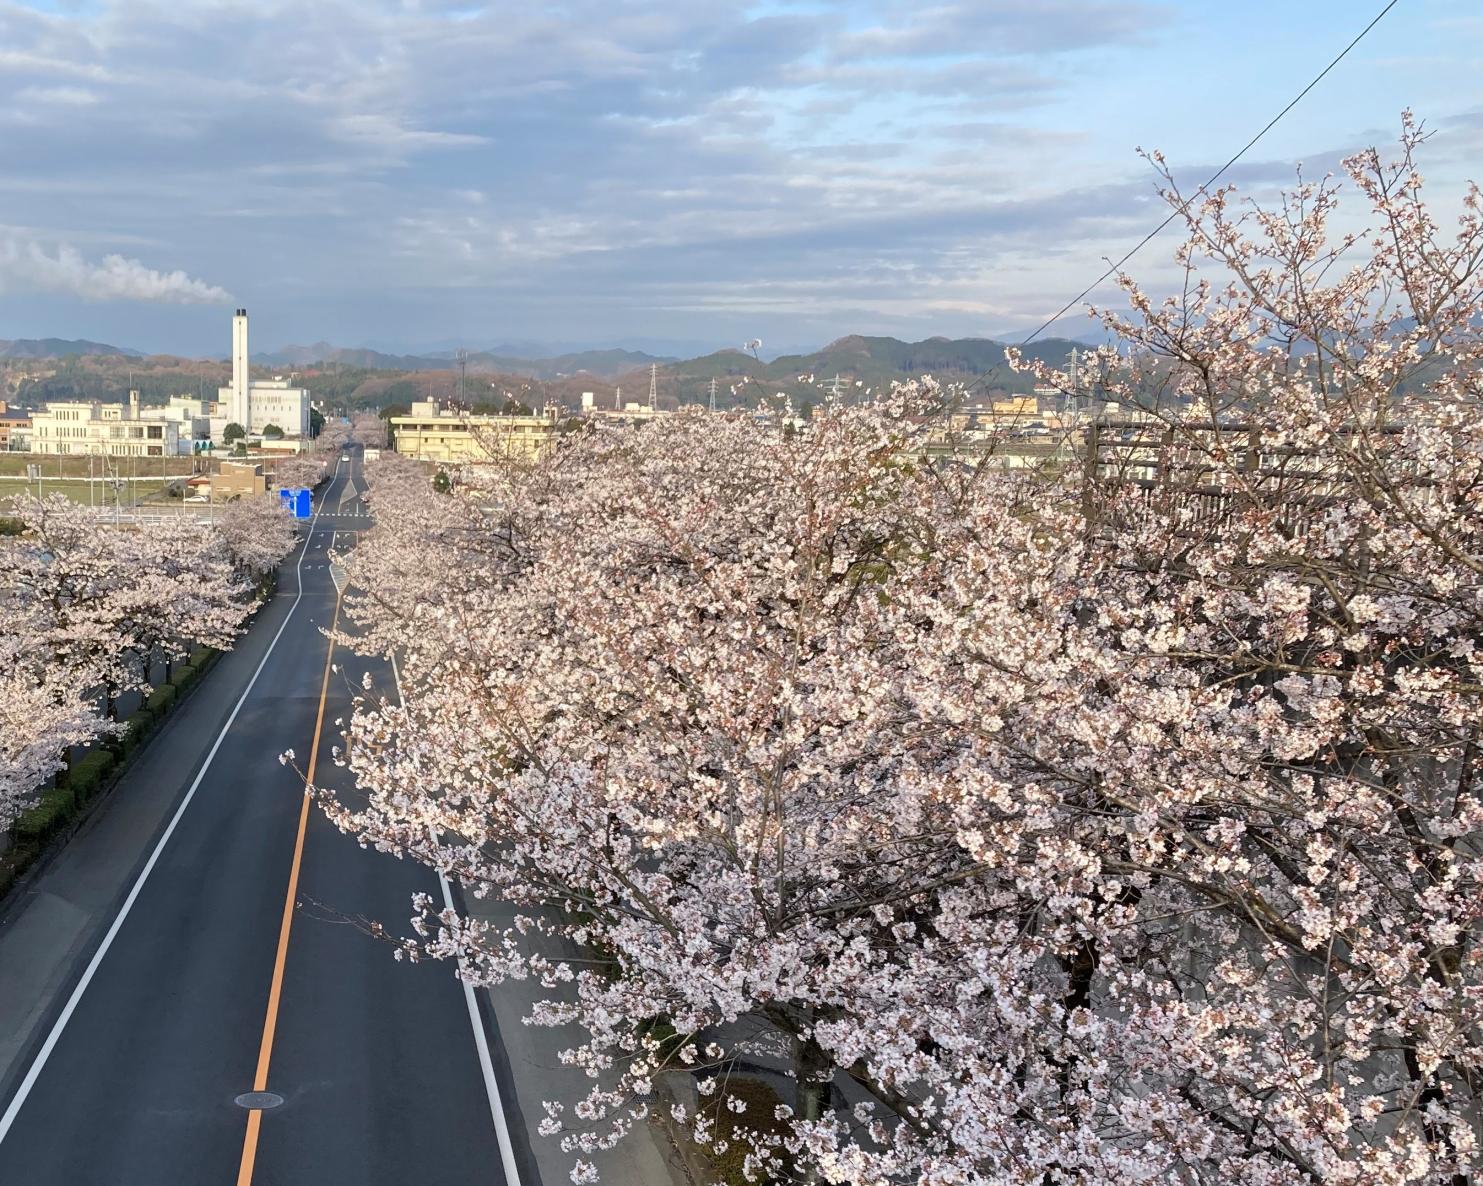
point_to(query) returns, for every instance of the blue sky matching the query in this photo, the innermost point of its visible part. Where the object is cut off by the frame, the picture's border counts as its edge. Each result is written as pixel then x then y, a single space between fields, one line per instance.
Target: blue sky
pixel 678 171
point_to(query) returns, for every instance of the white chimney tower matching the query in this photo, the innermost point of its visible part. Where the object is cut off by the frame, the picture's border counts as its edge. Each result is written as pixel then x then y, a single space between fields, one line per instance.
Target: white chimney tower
pixel 240 412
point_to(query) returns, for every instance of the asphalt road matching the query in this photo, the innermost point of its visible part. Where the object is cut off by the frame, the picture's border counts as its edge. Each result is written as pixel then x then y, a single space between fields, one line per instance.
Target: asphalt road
pixel 376 1060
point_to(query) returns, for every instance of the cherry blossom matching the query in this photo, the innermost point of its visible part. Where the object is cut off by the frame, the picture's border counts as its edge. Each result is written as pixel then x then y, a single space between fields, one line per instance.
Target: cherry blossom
pixel 91 608
pixel 258 534
pixel 1105 824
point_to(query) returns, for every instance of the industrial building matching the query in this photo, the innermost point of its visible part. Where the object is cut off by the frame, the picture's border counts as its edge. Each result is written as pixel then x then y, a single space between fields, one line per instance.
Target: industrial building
pixel 255 405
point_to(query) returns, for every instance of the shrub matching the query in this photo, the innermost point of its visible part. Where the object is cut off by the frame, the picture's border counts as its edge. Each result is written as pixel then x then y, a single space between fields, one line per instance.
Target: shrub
pixel 161 699
pixel 40 823
pixel 140 724
pixel 761 1101
pixel 88 774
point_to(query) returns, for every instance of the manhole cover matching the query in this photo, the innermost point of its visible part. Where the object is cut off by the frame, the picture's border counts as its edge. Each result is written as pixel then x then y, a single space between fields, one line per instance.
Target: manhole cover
pixel 258 1099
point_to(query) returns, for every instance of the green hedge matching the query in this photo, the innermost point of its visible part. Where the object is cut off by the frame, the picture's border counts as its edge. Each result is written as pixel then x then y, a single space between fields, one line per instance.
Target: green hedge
pixel 161 699
pixel 87 774
pixel 47 818
pixel 141 725
pixel 190 670
pixel 57 807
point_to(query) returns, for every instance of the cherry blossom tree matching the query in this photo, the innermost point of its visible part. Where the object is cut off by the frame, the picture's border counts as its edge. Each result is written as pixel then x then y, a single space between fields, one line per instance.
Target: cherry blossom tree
pixel 257 533
pixel 367 428
pixel 91 607
pixel 305 469
pixel 108 600
pixel 1111 824
pixel 43 712
pixel 1298 547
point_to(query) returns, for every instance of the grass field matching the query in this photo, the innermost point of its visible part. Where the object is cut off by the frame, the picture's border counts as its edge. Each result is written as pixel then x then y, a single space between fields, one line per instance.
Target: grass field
pixel 95 493
pixel 14 465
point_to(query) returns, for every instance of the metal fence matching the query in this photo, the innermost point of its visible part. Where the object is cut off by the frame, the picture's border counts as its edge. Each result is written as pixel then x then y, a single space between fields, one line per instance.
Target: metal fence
pixel 1203 474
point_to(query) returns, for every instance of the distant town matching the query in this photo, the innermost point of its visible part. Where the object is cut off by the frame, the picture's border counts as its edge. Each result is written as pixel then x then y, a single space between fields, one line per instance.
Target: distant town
pixel 67 416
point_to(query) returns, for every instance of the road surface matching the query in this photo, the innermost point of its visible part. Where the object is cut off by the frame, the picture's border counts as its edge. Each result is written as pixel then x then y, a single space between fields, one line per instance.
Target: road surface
pixel 134 1011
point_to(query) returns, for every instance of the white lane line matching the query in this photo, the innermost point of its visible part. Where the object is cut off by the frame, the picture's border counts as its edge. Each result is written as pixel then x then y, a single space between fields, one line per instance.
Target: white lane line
pixel 24 1090
pixel 481 1039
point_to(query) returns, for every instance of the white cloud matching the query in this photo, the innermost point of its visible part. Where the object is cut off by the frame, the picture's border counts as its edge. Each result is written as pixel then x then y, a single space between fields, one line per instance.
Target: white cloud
pixel 58 96
pixel 27 266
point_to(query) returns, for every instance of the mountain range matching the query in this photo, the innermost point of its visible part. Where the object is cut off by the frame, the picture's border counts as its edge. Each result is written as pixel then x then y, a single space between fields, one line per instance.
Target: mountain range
pixel 595 362
pixel 869 362
pixel 49 369
pixel 60 348
pixel 878 356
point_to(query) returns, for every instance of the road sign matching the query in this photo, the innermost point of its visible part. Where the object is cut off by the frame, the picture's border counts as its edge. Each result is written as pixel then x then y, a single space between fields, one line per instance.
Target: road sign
pixel 298 502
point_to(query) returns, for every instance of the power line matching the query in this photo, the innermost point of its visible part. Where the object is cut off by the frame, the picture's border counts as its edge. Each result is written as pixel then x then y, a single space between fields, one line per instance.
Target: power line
pixel 1212 179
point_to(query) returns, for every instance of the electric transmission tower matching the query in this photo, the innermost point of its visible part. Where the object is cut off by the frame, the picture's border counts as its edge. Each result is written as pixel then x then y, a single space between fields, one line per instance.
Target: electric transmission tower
pixel 713 393
pixel 653 386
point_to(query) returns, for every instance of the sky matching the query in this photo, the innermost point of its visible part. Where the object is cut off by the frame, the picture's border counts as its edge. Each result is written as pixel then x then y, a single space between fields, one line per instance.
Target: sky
pixel 677 173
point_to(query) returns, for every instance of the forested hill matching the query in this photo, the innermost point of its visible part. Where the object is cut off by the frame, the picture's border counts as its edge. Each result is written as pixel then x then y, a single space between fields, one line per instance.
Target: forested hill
pixel 861 363
pixel 59 348
pixel 367 378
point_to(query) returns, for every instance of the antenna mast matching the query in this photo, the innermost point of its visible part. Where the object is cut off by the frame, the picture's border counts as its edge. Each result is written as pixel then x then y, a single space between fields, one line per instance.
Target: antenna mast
pixel 653 386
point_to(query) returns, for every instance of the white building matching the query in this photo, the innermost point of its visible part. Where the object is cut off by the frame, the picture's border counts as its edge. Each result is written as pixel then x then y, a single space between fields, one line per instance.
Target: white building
pixel 268 401
pixel 194 417
pixel 106 430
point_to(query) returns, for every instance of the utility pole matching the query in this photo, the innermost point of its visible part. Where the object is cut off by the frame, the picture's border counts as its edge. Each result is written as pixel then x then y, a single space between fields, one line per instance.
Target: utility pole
pixel 1070 406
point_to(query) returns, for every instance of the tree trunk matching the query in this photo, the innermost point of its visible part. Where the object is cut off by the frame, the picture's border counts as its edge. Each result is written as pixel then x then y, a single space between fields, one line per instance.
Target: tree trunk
pixel 811 1068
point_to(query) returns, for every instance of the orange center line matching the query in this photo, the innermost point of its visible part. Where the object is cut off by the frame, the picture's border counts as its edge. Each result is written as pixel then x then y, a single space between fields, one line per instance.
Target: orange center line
pixel 275 989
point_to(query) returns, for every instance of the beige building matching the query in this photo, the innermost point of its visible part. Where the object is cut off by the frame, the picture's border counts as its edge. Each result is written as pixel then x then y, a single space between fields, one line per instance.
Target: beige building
pixel 238 479
pixel 104 430
pixel 429 433
pixel 15 429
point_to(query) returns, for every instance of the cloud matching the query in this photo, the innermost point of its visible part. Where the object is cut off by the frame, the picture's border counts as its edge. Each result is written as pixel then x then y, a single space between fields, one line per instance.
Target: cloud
pixel 27 266
pixel 435 168
pixel 1001 27
pixel 60 96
